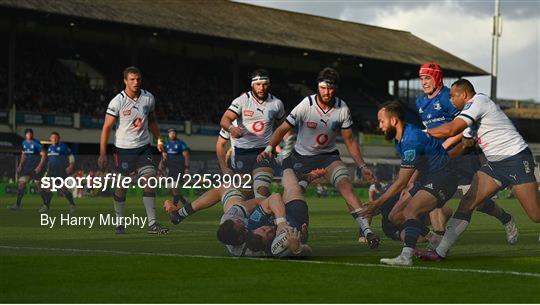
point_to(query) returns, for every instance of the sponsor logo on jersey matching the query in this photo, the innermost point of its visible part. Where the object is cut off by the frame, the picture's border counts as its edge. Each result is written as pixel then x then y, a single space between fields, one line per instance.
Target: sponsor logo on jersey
pixel 248 113
pixel 312 125
pixel 126 112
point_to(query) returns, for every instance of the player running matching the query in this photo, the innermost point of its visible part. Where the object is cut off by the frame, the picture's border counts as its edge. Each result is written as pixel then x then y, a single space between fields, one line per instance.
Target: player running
pixel 33 157
pixel 509 161
pixel 133 110
pixel 256 112
pixel 175 162
pixel 60 164
pixel 319 118
pixel 436 181
pixel 435 109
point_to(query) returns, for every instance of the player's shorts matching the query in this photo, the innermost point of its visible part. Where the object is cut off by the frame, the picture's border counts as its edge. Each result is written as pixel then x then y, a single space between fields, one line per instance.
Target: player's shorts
pixel 28 173
pixel 465 167
pixel 515 170
pixel 441 184
pixel 175 171
pixel 297 213
pixel 245 160
pixel 128 161
pixel 305 164
pixel 57 173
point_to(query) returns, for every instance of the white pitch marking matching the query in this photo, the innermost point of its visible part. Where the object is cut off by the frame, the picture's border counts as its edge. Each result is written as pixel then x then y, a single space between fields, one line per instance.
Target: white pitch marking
pixel 501 272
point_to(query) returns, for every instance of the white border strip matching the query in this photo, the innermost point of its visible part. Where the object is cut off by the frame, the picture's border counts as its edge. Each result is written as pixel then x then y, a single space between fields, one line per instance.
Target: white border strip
pixel 481 271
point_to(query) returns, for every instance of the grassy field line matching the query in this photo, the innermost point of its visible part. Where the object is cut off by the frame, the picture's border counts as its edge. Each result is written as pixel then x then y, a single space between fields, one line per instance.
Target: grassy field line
pixel 90 251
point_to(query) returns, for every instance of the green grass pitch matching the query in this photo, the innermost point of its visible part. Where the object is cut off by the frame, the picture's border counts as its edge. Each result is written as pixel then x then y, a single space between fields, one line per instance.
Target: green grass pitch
pixel 80 265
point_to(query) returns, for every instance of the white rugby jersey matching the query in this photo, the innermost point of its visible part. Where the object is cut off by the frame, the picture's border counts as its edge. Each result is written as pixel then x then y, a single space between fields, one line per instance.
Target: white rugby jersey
pixel 256 118
pixel 496 135
pixel 238 212
pixel 317 129
pixel 132 119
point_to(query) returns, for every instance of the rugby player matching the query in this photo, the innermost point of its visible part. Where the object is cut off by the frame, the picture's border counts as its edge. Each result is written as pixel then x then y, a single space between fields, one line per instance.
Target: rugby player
pixel 435 185
pixel 33 157
pixel 133 110
pixel 319 118
pixel 256 112
pixel 175 162
pixel 509 161
pixel 435 109
pixel 60 163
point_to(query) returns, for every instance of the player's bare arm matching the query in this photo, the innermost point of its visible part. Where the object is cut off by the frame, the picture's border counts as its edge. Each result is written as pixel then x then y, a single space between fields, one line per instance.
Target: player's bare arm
pixel 154 129
pixel 450 142
pixel 401 183
pixel 43 155
pixel 221 153
pixel 71 165
pixel 105 131
pixel 23 158
pixel 450 129
pixel 356 154
pixel 186 155
pixel 227 123
pixel 276 138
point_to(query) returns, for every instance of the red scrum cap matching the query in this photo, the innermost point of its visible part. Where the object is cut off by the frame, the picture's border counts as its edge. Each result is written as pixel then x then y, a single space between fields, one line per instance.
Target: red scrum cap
pixel 432 69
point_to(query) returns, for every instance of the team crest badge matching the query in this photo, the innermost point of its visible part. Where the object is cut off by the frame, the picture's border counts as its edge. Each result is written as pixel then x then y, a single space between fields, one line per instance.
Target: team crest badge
pixel 409 155
pixel 437 106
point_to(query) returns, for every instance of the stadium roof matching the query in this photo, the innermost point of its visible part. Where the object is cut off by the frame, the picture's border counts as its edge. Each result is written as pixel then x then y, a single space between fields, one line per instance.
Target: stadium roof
pixel 244 22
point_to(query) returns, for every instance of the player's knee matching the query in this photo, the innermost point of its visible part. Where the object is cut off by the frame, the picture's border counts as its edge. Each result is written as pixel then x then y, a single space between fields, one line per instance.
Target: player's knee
pixel 146 171
pixel 261 184
pixel 229 194
pixel 338 175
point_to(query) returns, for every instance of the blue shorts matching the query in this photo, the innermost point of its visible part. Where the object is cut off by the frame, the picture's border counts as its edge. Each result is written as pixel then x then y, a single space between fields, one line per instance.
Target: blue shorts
pixel 515 170
pixel 297 213
pixel 31 173
pixel 57 172
pixel 175 171
pixel 128 161
pixel 245 160
pixel 441 184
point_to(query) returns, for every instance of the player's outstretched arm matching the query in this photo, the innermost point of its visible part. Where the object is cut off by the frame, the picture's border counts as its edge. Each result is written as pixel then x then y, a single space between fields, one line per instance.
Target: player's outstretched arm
pixel 401 182
pixel 221 154
pixel 105 131
pixel 356 154
pixel 276 138
pixel 449 129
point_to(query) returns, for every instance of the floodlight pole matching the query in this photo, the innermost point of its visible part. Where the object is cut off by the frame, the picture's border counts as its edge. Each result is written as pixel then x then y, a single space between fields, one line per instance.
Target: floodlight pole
pixel 497 31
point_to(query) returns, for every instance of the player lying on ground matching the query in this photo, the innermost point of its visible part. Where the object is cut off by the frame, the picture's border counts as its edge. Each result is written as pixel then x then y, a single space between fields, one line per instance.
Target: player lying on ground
pixel 175 163
pixel 435 109
pixel 319 118
pixel 60 163
pixel 434 187
pixel 510 161
pixel 235 207
pixel 133 110
pixel 33 157
pixel 263 228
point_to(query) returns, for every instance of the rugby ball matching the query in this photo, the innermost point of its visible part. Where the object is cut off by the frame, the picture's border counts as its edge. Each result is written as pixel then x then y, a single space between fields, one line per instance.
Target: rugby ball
pixel 279 245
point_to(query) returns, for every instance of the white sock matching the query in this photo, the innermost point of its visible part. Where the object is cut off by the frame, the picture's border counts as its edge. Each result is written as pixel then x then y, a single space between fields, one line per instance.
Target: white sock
pixel 454 229
pixel 119 208
pixel 149 205
pixel 407 252
pixel 363 223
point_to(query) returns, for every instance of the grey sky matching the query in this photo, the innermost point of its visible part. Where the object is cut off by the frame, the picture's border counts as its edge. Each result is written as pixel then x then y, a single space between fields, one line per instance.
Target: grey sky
pixel 460 27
